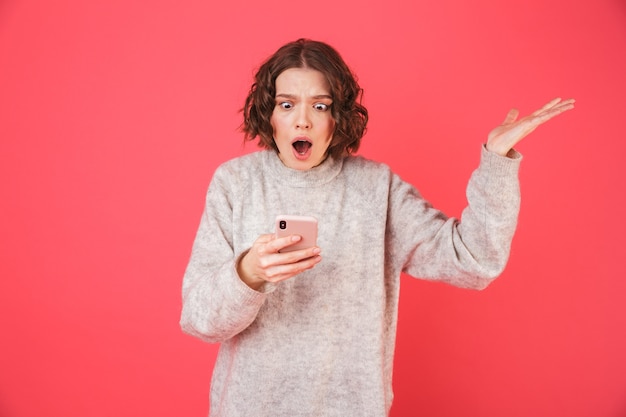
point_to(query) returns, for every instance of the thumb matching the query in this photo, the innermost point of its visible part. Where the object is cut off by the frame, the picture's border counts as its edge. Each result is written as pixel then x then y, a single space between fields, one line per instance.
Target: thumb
pixel 510 117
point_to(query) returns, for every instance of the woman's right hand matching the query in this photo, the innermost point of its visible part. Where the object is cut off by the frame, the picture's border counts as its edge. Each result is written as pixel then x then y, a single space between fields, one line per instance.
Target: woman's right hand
pixel 264 263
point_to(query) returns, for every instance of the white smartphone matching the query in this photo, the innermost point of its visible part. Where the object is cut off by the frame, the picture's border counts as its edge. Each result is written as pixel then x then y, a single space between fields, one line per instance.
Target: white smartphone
pixel 305 226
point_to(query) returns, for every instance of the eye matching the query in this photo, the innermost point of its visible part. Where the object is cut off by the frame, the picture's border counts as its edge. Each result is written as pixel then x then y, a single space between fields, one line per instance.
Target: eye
pixel 321 106
pixel 285 105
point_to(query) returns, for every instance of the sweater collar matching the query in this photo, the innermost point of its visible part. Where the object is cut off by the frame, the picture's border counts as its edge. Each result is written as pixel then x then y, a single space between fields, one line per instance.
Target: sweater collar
pixel 316 176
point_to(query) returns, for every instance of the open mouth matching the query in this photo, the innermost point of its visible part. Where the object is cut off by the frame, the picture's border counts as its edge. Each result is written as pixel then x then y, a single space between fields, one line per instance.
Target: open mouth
pixel 302 146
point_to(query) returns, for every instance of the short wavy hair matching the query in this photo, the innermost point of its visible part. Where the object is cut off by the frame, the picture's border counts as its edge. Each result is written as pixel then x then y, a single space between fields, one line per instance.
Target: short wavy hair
pixel 349 114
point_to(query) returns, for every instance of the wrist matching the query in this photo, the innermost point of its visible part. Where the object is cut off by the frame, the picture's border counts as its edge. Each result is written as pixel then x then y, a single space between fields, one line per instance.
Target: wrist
pixel 508 153
pixel 246 275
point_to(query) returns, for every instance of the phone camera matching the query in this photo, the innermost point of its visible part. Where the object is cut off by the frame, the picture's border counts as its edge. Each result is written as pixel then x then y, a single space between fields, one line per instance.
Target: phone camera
pixel 282 224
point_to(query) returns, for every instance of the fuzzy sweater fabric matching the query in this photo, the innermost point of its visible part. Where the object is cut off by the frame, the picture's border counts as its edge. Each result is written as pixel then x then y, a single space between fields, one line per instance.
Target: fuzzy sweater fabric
pixel 322 343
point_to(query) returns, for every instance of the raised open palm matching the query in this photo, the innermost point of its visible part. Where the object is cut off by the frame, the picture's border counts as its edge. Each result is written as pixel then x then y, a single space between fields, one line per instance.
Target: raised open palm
pixel 504 137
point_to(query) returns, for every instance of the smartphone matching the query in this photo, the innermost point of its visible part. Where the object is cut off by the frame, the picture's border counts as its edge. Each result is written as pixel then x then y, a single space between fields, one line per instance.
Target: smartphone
pixel 305 226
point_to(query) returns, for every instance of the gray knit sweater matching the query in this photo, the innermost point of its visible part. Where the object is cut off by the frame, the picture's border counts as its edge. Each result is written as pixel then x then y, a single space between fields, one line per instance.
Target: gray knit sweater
pixel 322 343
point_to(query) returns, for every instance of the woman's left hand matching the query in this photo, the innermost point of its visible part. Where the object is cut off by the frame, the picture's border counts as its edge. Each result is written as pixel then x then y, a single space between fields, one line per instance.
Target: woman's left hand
pixel 504 137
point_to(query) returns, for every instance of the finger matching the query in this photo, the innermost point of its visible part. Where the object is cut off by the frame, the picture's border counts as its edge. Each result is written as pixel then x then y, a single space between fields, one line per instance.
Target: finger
pixel 568 101
pixel 282 242
pixel 285 271
pixel 272 257
pixel 263 244
pixel 551 103
pixel 564 105
pixel 300 254
pixel 554 104
pixel 265 238
pixel 548 114
pixel 511 117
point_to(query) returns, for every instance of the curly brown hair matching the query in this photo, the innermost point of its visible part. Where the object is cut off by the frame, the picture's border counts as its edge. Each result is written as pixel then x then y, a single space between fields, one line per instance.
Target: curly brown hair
pixel 349 114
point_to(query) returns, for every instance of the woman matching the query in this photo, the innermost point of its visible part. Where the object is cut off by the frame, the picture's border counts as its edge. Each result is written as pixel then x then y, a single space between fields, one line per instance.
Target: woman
pixel 312 333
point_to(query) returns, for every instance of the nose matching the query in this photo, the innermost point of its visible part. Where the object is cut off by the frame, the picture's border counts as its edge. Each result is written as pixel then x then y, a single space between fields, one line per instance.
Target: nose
pixel 303 121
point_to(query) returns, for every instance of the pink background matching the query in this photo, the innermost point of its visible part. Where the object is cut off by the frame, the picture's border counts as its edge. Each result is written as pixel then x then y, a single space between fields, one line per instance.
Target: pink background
pixel 114 114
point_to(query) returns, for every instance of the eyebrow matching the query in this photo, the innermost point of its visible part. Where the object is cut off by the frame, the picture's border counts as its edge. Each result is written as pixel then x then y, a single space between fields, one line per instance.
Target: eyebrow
pixel 293 96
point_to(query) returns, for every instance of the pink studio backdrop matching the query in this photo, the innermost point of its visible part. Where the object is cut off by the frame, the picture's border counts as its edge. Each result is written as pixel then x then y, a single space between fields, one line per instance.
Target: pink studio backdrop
pixel 114 114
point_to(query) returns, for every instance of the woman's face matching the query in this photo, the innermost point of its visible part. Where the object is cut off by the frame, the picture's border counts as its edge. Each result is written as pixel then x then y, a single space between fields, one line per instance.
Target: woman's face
pixel 302 120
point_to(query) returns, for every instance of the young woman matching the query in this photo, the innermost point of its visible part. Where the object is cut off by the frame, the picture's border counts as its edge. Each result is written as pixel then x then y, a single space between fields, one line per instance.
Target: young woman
pixel 312 332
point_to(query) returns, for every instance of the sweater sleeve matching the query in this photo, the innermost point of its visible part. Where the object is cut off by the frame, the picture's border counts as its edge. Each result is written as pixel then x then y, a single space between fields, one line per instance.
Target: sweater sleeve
pixel 470 252
pixel 216 304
